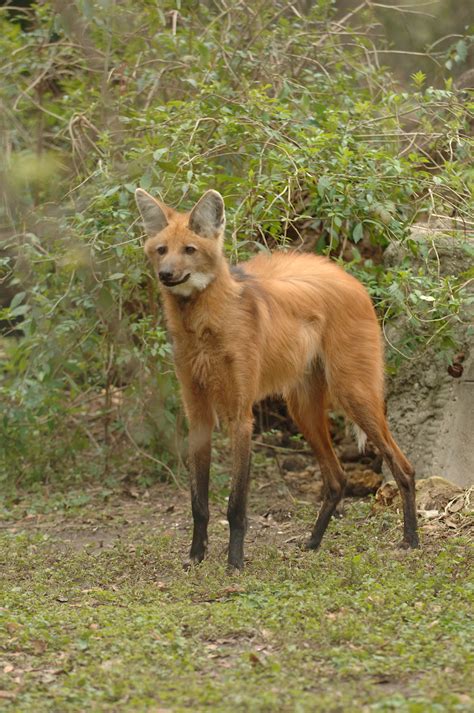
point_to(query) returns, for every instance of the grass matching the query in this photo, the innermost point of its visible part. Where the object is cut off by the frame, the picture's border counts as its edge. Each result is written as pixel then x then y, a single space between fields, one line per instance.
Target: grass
pixel 97 613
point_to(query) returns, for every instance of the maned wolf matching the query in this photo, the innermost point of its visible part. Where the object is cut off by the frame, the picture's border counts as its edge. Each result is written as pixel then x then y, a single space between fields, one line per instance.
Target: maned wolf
pixel 287 323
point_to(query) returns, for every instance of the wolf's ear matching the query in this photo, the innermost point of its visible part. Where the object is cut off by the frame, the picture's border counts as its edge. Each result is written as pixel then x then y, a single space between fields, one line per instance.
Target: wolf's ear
pixel 207 218
pixel 152 212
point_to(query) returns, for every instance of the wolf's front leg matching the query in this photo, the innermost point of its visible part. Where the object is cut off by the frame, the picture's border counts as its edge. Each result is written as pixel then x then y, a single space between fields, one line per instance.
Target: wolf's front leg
pixel 200 433
pixel 241 433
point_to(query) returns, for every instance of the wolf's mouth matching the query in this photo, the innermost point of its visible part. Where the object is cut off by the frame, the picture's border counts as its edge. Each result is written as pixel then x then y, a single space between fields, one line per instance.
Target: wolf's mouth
pixel 170 283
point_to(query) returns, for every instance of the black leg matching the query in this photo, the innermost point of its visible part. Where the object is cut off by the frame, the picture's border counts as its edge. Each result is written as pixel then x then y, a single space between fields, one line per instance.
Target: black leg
pixel 199 462
pixel 309 414
pixel 237 509
pixel 332 498
pixel 402 470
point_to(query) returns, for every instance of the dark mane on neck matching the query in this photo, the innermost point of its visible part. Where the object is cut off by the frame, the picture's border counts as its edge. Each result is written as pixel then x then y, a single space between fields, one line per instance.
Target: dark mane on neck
pixel 239 274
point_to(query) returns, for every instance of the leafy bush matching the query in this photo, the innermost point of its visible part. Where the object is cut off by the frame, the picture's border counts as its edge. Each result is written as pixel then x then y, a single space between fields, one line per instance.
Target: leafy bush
pixel 284 110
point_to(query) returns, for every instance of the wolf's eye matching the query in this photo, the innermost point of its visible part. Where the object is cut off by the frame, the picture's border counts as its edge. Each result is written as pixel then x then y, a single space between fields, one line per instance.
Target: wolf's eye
pixel 190 249
pixel 161 249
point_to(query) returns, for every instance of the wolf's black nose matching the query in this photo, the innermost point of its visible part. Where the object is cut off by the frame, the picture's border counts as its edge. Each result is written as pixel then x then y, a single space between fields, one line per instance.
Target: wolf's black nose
pixel 165 275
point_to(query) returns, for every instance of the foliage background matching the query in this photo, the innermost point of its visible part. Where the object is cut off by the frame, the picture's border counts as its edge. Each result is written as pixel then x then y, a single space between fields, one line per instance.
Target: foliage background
pixel 289 110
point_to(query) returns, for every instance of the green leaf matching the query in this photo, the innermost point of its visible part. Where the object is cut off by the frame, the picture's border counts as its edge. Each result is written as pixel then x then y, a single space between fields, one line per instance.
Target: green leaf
pixel 468 248
pixel 111 191
pixel 19 311
pixel 159 153
pixel 17 299
pixel 461 51
pixel 324 184
pixel 145 181
pixel 418 78
pixel 358 233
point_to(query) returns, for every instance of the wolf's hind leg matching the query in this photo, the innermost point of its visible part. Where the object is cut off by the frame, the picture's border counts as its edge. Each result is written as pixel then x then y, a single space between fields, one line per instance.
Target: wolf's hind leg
pixel 369 414
pixel 241 435
pixel 308 409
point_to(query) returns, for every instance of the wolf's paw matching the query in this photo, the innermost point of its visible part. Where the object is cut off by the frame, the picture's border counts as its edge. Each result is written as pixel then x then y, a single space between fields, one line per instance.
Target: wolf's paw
pixel 409 544
pixel 311 544
pixel 193 560
pixel 233 570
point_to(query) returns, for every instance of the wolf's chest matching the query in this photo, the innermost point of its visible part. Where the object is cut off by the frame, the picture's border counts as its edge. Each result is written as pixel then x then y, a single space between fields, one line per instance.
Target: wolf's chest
pixel 203 357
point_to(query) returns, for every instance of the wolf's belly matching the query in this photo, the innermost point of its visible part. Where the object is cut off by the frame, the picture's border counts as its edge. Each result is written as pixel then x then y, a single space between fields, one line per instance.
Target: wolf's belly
pixel 289 360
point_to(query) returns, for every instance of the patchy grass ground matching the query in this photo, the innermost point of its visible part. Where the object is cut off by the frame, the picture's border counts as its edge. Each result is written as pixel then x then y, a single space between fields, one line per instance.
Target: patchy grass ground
pixel 97 614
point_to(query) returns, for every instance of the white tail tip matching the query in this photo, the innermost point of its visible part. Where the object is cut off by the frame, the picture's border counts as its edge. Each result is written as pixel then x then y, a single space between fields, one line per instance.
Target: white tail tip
pixel 361 437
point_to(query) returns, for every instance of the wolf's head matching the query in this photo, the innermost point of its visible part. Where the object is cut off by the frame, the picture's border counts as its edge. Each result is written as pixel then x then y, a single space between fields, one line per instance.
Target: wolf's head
pixel 185 249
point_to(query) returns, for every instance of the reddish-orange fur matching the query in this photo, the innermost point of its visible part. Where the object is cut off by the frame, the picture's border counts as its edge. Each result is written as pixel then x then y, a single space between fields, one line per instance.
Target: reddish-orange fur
pixel 289 324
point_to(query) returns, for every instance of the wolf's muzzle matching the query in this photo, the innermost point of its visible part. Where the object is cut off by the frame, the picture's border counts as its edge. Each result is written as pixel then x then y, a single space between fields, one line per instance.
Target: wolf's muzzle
pixel 167 279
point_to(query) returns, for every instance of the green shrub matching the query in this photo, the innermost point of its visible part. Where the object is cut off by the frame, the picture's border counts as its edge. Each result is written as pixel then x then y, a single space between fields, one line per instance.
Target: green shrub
pixel 287 113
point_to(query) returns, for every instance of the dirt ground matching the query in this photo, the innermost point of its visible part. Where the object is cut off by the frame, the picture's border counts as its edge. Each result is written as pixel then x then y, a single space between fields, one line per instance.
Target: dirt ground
pixel 285 481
